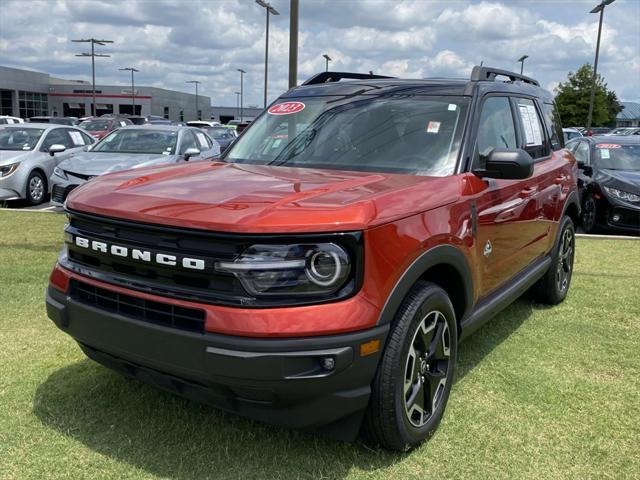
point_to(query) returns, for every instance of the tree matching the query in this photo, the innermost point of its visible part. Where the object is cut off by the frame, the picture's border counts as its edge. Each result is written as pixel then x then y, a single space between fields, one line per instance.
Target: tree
pixel 573 100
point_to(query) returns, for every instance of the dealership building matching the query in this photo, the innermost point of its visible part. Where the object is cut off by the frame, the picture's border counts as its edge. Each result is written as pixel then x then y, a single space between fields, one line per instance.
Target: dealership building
pixel 25 94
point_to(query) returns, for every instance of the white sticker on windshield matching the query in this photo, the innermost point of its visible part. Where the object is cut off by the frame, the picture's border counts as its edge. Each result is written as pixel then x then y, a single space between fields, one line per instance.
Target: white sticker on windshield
pixel 76 137
pixel 604 154
pixel 452 107
pixel 166 152
pixel 26 147
pixel 532 132
pixel 433 127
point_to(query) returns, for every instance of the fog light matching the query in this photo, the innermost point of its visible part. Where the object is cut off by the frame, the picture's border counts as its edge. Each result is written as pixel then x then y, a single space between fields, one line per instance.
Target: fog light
pixel 616 217
pixel 328 363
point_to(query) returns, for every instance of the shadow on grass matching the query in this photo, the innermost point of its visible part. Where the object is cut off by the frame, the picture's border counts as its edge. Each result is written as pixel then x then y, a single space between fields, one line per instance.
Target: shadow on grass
pixel 172 437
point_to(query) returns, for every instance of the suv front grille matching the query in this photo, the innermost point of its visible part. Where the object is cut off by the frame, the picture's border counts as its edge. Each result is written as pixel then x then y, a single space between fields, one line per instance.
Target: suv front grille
pixel 158 313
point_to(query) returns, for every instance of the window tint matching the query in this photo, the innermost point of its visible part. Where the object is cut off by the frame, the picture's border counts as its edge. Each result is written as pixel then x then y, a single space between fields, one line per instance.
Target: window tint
pixel 496 128
pixel 532 129
pixel 554 126
pixel 582 152
pixel 188 141
pixel 57 137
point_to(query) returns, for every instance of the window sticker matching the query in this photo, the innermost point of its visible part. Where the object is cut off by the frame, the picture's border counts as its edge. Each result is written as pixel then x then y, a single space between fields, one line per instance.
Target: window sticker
pixel 452 107
pixel 76 137
pixel 604 154
pixel 608 146
pixel 532 133
pixel 433 127
pixel 286 108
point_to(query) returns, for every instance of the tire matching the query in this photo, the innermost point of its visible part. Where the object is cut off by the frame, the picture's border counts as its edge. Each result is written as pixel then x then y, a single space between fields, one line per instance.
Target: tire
pixel 553 287
pixel 402 414
pixel 36 190
pixel 589 216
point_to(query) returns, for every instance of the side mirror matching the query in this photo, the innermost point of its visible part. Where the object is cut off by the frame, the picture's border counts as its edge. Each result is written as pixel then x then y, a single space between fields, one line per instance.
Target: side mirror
pixel 56 148
pixel 191 152
pixel 507 163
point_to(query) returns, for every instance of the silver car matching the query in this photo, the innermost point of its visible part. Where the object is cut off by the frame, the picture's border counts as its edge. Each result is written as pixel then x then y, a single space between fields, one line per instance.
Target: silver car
pixel 29 152
pixel 129 147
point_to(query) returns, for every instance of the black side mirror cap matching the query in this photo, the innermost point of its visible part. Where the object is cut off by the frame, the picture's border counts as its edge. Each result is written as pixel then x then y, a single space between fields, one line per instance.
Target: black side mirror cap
pixel 507 163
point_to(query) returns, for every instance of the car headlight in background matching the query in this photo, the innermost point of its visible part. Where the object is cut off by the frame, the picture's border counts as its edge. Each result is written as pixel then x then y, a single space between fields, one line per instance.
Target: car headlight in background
pixel 7 170
pixel 622 195
pixel 295 269
pixel 59 172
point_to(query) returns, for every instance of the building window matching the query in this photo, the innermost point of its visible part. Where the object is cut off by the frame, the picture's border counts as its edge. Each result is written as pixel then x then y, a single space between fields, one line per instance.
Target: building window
pixel 181 115
pixel 33 104
pixel 199 114
pixel 6 102
pixel 166 113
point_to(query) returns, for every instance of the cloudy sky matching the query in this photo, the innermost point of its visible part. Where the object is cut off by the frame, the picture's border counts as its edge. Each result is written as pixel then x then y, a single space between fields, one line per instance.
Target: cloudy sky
pixel 172 41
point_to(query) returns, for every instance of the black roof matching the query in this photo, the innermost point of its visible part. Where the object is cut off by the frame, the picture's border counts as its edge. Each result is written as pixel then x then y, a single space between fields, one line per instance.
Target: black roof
pixel 483 79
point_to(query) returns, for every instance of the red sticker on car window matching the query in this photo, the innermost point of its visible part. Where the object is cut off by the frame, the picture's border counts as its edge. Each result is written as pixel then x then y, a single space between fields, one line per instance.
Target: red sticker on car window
pixel 608 145
pixel 286 108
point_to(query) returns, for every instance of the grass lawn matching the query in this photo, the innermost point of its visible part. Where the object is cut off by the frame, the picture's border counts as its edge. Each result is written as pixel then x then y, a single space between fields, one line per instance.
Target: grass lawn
pixel 541 393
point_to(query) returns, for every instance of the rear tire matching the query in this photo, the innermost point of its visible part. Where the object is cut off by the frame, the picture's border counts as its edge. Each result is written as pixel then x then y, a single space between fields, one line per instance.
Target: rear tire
pixel 554 286
pixel 414 378
pixel 36 188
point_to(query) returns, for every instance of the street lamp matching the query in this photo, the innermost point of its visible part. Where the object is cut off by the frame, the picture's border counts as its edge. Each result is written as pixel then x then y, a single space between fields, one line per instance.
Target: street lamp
pixel 133 92
pixel 196 83
pixel 294 8
pixel 242 72
pixel 237 104
pixel 270 10
pixel 597 9
pixel 327 59
pixel 93 56
pixel 521 60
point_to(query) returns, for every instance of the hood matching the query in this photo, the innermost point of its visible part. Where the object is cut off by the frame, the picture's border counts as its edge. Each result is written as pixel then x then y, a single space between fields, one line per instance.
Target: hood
pixel 96 163
pixel 12 156
pixel 628 180
pixel 261 199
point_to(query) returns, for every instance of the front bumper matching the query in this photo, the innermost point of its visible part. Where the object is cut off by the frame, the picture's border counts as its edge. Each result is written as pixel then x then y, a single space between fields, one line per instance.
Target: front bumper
pixel 279 381
pixel 60 189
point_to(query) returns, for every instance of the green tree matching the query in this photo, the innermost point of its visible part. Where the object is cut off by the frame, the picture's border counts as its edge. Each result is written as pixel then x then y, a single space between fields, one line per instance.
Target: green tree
pixel 573 99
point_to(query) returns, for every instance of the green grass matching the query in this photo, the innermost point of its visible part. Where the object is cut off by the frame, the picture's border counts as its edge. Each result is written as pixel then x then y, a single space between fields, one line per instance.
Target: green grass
pixel 541 393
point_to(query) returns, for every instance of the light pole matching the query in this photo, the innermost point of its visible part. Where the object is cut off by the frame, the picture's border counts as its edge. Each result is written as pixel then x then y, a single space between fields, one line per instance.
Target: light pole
pixel 237 104
pixel 242 72
pixel 521 60
pixel 93 56
pixel 196 83
pixel 597 9
pixel 133 92
pixel 293 43
pixel 270 10
pixel 327 59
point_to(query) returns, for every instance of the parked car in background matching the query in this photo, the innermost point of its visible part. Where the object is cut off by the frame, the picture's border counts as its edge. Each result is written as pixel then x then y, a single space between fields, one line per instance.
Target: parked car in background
pixel 609 182
pixel 570 133
pixel 631 131
pixel 137 120
pixel 597 131
pixel 223 135
pixel 99 127
pixel 131 147
pixel 233 123
pixel 203 123
pixel 619 131
pixel 7 120
pixel 71 121
pixel 29 152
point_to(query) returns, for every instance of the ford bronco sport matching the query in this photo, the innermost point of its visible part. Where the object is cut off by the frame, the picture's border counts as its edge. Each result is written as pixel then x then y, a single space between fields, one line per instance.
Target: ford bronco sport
pixel 322 271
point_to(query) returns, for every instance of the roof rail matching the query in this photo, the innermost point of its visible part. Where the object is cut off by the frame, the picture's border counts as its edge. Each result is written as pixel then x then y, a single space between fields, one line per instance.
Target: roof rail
pixel 325 77
pixel 489 74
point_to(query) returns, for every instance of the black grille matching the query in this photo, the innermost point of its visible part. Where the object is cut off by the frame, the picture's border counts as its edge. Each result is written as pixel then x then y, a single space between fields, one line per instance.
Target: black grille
pixel 59 193
pixel 81 176
pixel 158 313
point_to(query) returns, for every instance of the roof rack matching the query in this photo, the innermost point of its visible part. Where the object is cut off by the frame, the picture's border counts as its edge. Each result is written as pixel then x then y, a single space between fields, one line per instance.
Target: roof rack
pixel 326 77
pixel 489 74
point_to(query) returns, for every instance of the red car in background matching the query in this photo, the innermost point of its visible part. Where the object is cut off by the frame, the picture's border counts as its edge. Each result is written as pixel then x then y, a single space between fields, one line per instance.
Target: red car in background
pixel 100 127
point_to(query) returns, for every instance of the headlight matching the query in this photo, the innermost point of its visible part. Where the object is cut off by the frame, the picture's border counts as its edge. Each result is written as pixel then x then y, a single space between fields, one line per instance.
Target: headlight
pixel 297 269
pixel 622 195
pixel 59 172
pixel 8 169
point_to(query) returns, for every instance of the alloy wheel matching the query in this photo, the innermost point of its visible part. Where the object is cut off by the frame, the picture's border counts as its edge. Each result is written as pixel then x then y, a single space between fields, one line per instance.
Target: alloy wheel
pixel 426 368
pixel 565 260
pixel 36 188
pixel 589 214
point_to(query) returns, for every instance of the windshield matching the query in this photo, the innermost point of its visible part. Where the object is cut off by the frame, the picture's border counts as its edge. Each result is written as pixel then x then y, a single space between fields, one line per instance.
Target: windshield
pixel 220 133
pixel 409 134
pixel 618 157
pixel 139 141
pixel 95 125
pixel 19 138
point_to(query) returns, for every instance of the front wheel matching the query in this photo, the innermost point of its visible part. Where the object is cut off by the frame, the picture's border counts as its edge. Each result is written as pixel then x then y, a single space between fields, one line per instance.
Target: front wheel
pixel 589 214
pixel 36 188
pixel 414 379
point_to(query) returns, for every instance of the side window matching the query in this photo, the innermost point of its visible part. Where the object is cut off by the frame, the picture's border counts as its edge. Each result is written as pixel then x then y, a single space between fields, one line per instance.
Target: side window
pixel 188 141
pixel 532 130
pixel 554 127
pixel 56 137
pixel 496 128
pixel 88 139
pixel 582 153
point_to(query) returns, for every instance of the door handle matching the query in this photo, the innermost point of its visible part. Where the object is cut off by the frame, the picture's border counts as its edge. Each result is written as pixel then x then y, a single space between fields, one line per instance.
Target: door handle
pixel 559 179
pixel 528 191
